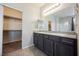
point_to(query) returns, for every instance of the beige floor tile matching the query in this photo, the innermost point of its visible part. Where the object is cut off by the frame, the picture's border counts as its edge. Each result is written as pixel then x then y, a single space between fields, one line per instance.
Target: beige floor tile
pixel 31 51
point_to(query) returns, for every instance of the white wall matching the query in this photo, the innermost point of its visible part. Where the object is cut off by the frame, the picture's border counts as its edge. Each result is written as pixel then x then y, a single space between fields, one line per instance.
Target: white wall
pixel 1 28
pixel 30 13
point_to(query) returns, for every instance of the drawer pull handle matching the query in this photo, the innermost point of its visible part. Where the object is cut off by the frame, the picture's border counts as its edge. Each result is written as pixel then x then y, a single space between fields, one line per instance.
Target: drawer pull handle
pixel 67 41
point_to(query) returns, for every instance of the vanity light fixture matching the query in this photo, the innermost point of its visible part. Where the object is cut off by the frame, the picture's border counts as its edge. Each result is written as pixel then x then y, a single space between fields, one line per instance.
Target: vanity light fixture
pixel 51 8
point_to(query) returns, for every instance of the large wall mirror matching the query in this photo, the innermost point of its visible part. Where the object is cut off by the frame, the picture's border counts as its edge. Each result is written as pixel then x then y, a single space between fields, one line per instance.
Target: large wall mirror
pixel 62 20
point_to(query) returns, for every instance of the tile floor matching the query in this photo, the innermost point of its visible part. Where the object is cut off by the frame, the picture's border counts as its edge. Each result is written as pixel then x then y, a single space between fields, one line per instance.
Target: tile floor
pixel 31 51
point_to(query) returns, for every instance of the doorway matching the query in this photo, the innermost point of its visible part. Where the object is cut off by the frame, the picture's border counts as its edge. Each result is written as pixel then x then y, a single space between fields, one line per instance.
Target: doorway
pixel 12 30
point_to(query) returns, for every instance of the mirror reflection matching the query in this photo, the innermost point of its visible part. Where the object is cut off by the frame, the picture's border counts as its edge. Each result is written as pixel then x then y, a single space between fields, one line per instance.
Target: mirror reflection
pixel 62 21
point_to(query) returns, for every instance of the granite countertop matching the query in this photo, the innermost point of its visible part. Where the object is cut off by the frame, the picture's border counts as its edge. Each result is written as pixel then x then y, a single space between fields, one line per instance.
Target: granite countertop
pixel 68 35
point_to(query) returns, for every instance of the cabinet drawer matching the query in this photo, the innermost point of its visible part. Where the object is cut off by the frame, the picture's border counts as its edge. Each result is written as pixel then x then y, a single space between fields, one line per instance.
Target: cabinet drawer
pixel 35 34
pixel 55 38
pixel 68 41
pixel 46 36
pixel 41 35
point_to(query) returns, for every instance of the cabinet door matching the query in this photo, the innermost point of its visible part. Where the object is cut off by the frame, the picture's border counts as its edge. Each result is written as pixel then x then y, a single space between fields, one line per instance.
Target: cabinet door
pixel 66 50
pixel 40 42
pixel 69 46
pixel 35 37
pixel 48 47
pixel 57 48
pixel 61 49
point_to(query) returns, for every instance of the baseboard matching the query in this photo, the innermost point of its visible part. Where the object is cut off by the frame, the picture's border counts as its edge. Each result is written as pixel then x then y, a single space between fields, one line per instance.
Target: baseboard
pixel 28 46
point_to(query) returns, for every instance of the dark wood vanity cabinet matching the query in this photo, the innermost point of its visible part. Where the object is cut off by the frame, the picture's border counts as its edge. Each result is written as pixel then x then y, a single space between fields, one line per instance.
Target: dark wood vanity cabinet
pixel 48 45
pixel 68 47
pixel 55 45
pixel 67 50
pixel 57 49
pixel 40 42
pixel 63 49
pixel 35 39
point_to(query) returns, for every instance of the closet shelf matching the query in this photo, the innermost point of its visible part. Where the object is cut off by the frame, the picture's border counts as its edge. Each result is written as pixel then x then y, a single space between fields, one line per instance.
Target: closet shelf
pixel 11 42
pixel 12 13
pixel 12 30
pixel 12 17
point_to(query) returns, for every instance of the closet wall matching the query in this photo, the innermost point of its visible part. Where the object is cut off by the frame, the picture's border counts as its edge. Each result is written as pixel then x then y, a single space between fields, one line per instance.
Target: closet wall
pixel 1 28
pixel 12 26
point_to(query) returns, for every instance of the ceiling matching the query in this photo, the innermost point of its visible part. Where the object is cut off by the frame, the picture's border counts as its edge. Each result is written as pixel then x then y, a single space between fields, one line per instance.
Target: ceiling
pixel 38 5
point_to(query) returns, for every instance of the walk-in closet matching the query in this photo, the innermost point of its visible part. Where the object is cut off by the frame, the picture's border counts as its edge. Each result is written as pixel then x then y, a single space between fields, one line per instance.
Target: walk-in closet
pixel 12 29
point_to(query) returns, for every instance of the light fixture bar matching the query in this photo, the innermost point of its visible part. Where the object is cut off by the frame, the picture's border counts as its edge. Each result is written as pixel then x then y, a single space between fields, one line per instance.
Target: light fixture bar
pixel 51 7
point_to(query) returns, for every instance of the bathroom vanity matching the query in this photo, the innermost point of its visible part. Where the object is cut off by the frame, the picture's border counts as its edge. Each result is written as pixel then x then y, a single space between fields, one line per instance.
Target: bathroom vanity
pixel 58 37
pixel 56 44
